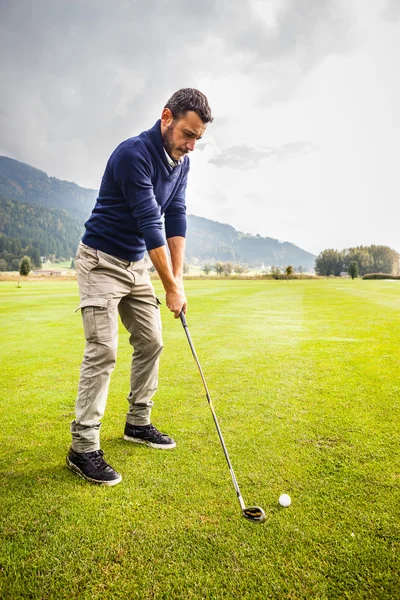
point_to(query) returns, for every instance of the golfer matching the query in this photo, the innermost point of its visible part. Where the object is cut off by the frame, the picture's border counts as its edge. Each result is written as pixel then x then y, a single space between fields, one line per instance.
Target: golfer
pixel 145 178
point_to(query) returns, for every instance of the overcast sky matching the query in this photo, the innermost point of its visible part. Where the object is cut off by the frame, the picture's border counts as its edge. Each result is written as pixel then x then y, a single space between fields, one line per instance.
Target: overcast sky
pixel 305 94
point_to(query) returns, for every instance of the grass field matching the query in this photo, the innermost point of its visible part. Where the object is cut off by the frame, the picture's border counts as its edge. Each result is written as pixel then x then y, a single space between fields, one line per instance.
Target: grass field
pixel 305 379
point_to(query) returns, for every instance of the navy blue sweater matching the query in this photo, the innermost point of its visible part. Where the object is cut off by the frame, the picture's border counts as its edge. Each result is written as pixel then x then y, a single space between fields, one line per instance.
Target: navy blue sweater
pixel 138 187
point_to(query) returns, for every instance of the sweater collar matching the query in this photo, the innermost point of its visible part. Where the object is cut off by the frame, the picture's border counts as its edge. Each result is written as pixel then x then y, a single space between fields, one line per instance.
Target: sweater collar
pixel 173 163
pixel 154 134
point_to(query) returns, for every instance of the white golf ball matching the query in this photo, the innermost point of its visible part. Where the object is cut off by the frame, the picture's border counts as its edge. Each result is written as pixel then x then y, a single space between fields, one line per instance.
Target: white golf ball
pixel 285 500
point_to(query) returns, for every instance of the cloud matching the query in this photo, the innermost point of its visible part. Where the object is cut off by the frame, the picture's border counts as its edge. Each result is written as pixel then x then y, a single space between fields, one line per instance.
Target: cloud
pixel 391 12
pixel 245 157
pixel 78 77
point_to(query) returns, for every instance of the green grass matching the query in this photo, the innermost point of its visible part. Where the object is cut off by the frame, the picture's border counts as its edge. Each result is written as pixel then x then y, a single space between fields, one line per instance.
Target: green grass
pixel 305 379
pixel 60 266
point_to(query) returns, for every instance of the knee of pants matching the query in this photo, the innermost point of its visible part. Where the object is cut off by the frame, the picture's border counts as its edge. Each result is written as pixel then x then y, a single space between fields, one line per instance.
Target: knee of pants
pixel 107 351
pixel 102 353
pixel 155 346
pixel 149 349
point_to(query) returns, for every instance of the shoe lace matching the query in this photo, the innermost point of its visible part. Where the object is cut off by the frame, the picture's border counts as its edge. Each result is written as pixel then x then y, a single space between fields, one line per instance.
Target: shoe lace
pixel 97 459
pixel 157 434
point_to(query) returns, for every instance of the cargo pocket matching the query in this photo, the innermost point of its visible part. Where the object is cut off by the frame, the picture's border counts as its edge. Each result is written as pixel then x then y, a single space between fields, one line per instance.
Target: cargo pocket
pixel 96 319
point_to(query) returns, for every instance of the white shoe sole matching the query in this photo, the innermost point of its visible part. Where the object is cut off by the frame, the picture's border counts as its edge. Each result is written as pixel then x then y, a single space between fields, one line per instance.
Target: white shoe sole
pixel 150 444
pixel 77 470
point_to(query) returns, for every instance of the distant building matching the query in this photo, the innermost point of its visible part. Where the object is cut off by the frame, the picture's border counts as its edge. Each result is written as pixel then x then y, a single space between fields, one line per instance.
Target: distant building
pixel 265 268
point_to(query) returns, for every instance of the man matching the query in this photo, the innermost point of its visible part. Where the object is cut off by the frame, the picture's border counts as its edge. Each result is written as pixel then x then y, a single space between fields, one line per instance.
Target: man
pixel 145 178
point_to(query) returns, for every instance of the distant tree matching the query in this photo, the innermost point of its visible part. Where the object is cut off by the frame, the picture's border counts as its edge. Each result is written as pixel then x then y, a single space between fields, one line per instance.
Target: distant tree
pixel 300 269
pixel 25 266
pixel 385 259
pixel 186 268
pixel 207 268
pixel 370 259
pixel 73 263
pixel 228 267
pixel 3 264
pixel 329 262
pixel 353 269
pixel 34 254
pixel 14 265
pixel 15 246
pixel 289 271
pixel 362 256
pixel 219 267
pixel 275 272
pixel 238 269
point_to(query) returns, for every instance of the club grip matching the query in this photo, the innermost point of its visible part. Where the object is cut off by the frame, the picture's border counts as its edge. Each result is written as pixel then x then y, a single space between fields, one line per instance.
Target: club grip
pixel 183 318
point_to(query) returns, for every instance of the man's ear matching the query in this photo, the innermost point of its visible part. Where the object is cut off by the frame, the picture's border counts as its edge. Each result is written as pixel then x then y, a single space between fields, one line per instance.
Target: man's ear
pixel 166 117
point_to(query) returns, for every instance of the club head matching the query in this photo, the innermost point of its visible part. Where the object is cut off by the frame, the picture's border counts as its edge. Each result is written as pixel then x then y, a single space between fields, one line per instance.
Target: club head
pixel 254 514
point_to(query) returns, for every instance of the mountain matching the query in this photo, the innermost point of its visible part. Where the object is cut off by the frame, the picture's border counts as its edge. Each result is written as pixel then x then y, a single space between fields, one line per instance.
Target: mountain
pixel 207 240
pixel 36 231
pixel 24 183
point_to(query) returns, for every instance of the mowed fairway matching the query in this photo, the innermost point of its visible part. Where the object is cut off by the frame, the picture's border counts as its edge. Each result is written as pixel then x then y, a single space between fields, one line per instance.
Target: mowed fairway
pixel 305 379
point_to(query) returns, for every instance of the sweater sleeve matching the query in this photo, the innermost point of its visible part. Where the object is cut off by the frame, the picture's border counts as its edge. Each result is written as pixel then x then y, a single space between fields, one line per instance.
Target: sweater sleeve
pixel 132 172
pixel 175 215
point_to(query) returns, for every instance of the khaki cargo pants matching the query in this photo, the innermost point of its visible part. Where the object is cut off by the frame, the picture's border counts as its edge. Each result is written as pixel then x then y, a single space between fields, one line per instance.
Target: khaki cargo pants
pixel 109 286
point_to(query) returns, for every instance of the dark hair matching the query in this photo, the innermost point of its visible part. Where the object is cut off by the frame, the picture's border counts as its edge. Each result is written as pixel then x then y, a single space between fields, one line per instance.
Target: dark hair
pixel 189 99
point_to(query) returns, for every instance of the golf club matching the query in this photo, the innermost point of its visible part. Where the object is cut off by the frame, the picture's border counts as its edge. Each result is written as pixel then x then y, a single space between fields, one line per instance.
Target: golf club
pixel 252 513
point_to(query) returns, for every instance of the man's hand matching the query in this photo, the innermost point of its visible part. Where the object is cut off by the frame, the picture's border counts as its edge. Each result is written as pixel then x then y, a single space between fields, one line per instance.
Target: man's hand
pixel 172 279
pixel 176 301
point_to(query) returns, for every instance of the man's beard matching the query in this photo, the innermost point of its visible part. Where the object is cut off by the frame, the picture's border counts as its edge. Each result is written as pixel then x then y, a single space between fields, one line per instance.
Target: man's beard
pixel 168 144
pixel 167 139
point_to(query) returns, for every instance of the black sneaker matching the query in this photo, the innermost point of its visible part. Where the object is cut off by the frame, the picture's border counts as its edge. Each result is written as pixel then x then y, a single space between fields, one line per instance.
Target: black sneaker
pixel 93 467
pixel 149 435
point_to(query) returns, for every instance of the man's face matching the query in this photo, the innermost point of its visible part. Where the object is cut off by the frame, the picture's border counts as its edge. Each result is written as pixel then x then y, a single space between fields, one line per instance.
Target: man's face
pixel 180 136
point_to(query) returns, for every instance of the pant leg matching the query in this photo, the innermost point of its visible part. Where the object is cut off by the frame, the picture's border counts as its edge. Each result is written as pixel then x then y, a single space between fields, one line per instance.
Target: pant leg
pixel 140 314
pixel 102 284
pixel 96 368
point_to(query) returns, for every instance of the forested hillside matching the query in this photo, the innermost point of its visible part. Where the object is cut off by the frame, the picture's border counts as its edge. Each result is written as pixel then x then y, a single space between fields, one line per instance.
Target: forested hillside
pixel 24 183
pixel 209 240
pixel 35 231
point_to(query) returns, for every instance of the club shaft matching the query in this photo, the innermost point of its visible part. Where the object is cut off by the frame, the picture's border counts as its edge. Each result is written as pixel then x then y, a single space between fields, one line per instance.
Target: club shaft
pixel 234 480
